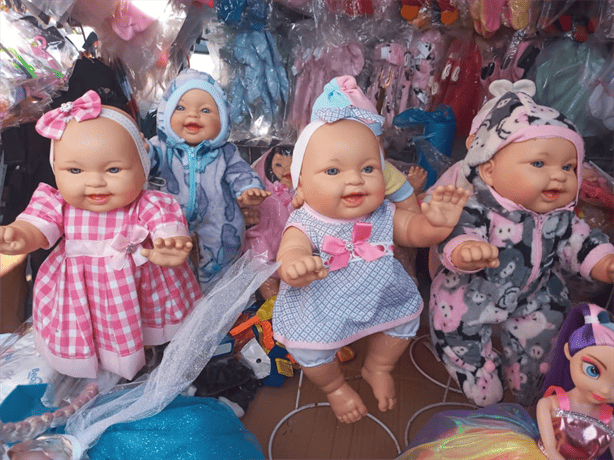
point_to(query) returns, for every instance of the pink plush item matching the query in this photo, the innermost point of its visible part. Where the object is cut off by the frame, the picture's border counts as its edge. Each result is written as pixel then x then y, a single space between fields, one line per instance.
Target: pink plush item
pixel 130 20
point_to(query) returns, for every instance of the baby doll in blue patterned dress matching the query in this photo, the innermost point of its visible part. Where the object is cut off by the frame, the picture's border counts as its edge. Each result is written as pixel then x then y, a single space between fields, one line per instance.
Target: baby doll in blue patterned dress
pixel 340 281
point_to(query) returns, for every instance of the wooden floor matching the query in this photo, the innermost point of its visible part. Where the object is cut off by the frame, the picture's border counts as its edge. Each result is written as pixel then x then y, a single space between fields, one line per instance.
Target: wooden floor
pixel 314 433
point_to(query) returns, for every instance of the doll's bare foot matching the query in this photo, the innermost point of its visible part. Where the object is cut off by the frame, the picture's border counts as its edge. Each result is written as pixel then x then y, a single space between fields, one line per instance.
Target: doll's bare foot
pixel 346 404
pixel 382 384
pixel 416 176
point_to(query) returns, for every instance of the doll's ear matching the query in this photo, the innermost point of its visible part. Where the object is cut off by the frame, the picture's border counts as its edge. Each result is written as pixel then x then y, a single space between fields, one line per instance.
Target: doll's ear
pixel 566 350
pixel 299 189
pixel 469 140
pixel 486 172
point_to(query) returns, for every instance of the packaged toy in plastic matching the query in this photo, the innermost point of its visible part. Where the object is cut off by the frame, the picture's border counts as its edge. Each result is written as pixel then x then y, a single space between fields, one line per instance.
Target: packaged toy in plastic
pixel 35 64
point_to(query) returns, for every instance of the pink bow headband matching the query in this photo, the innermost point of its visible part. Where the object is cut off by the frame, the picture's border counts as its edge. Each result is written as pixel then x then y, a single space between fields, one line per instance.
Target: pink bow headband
pixel 53 123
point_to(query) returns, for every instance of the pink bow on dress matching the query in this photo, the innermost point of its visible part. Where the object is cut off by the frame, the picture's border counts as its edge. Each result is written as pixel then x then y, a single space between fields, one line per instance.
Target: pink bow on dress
pixel 342 252
pixel 281 191
pixel 131 247
pixel 52 124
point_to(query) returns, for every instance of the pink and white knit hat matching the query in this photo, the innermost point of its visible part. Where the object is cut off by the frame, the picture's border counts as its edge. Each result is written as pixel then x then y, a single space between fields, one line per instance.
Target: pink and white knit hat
pixel 513 116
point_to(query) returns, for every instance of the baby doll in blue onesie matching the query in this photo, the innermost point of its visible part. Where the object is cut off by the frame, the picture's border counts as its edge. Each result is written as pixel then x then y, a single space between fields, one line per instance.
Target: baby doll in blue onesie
pixel 502 263
pixel 204 171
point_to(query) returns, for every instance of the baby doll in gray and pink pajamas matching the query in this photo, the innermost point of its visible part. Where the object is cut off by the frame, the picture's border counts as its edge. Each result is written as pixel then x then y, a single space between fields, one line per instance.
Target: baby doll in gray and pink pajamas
pixel 501 264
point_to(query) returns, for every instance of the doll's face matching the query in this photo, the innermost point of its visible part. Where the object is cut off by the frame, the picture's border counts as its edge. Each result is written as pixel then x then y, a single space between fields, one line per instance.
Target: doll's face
pixel 341 176
pixel 97 165
pixel 592 371
pixel 539 174
pixel 281 168
pixel 196 117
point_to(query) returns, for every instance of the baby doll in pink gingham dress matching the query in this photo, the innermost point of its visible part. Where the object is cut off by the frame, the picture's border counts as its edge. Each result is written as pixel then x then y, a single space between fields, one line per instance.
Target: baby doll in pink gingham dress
pixel 118 279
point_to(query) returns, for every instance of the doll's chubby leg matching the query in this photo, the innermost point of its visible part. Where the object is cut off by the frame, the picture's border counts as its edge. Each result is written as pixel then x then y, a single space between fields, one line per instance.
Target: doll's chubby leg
pixel 344 401
pixel 383 353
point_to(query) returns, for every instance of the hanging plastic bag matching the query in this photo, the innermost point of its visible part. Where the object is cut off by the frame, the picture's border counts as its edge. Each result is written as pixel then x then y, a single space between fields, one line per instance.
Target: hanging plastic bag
pixel 437 138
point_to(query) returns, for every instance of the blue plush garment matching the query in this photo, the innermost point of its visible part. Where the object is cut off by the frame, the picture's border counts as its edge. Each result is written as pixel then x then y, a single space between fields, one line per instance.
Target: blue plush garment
pixel 206 179
pixel 188 428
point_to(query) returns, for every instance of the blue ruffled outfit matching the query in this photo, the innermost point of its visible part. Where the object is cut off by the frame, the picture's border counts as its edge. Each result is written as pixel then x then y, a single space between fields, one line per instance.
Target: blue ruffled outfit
pixel 206 179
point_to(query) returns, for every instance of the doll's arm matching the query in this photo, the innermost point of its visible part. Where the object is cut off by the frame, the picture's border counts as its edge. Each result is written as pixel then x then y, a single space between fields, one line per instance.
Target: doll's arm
pixel 544 409
pixel 299 266
pixel 169 252
pixel 21 237
pixel 252 197
pixel 434 221
pixel 604 269
pixel 475 255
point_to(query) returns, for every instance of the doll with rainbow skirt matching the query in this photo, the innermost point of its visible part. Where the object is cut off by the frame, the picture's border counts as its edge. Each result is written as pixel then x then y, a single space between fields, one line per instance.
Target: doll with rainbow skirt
pixel 574 416
pixel 118 279
pixel 340 281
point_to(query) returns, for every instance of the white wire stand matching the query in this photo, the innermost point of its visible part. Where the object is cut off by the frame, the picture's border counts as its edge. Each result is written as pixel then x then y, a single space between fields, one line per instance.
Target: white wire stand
pixel 298 409
pixel 446 385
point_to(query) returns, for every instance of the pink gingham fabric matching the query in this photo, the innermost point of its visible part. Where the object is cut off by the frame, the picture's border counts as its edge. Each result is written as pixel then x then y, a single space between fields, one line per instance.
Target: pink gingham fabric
pixel 53 123
pixel 83 307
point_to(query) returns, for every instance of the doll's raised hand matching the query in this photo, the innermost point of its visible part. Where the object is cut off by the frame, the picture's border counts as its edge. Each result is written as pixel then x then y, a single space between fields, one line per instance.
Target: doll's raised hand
pixel 475 255
pixel 446 206
pixel 252 197
pixel 169 252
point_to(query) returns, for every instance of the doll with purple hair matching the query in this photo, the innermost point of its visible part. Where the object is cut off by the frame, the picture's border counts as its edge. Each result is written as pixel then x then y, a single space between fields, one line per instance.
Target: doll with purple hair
pixel 574 416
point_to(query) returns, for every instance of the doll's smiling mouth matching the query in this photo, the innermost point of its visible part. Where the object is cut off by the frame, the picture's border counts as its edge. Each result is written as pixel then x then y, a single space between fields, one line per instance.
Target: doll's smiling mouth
pixel 551 195
pixel 598 398
pixel 193 127
pixel 98 199
pixel 354 199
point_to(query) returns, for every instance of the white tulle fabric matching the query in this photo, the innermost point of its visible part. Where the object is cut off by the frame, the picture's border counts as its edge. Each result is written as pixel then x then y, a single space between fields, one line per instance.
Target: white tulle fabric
pixel 184 357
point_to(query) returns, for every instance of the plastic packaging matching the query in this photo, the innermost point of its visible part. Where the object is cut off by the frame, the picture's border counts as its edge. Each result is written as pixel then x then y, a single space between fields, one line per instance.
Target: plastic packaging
pixel 566 74
pixel 35 64
pixel 318 59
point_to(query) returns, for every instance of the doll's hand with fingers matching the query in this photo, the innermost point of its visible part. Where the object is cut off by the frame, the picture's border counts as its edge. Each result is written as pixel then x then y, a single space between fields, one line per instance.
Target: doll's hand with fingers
pixel 252 197
pixel 446 206
pixel 169 252
pixel 475 255
pixel 12 240
pixel 301 271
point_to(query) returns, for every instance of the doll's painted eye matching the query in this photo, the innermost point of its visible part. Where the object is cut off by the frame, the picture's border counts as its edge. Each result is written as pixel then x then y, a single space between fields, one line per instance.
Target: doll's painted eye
pixel 568 167
pixel 590 369
pixel 74 170
pixel 367 169
pixel 332 171
pixel 113 170
pixel 179 108
pixel 205 110
pixel 538 164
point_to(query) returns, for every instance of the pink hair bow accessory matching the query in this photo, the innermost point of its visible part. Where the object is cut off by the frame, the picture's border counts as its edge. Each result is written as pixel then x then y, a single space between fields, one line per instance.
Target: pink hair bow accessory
pixel 53 123
pixel 128 247
pixel 342 251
